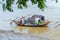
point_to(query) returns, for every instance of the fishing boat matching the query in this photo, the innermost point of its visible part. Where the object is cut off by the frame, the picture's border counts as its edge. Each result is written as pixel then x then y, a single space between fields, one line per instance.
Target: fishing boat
pixel 41 25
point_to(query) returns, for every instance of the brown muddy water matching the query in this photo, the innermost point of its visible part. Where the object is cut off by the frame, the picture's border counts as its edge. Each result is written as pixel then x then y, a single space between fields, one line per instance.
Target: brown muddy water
pixel 53 33
pixel 33 30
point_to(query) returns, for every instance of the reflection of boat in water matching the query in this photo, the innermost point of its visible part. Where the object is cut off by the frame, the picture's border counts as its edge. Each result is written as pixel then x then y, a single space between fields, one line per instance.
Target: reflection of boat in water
pixel 32 30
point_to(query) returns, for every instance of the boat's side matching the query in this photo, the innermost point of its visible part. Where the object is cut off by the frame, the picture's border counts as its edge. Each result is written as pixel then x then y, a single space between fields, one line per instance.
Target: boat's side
pixel 32 26
pixel 41 25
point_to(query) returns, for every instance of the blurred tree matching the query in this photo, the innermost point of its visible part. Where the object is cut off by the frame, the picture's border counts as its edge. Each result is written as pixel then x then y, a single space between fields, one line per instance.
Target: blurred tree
pixel 22 3
pixel 44 0
pixel 56 1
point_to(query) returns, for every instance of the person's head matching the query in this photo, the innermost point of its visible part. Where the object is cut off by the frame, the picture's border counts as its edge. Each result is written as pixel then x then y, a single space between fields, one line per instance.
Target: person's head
pixel 43 18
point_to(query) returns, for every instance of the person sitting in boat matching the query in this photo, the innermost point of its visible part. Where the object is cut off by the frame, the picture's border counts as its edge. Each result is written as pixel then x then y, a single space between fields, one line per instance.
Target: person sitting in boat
pixel 22 21
pixel 39 16
pixel 35 20
pixel 39 20
pixel 31 21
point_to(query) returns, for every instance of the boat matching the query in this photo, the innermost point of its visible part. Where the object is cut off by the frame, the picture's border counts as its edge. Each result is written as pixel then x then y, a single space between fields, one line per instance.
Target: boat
pixel 41 25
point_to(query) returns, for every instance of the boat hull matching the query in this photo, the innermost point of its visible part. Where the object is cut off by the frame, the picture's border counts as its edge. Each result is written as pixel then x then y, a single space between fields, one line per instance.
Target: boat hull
pixel 32 26
pixel 41 25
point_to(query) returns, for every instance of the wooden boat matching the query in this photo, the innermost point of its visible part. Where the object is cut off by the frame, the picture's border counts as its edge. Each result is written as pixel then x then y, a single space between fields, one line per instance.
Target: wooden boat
pixel 41 25
pixel 44 24
pixel 32 26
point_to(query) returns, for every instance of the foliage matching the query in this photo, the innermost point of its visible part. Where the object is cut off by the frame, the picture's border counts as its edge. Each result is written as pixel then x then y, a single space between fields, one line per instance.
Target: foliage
pixel 56 1
pixel 22 3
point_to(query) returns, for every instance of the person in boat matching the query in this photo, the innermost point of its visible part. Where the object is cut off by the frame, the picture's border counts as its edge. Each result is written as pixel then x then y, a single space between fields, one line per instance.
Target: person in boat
pixel 22 21
pixel 39 20
pixel 39 16
pixel 42 20
pixel 30 21
pixel 35 20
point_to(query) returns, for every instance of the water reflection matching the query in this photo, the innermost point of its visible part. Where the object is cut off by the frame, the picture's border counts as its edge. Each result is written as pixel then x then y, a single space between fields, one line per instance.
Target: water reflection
pixel 53 33
pixel 33 30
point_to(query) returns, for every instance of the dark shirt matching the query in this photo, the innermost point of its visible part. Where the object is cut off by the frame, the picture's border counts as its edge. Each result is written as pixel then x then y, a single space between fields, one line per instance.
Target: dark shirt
pixel 31 20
